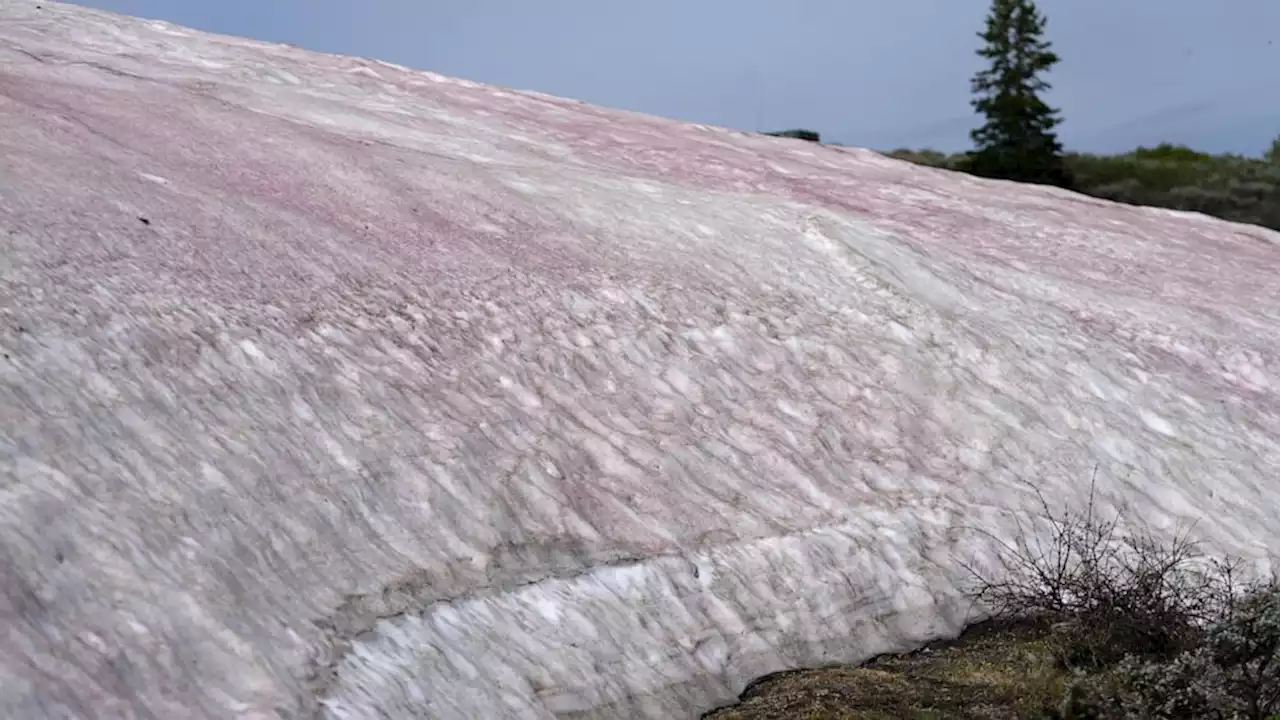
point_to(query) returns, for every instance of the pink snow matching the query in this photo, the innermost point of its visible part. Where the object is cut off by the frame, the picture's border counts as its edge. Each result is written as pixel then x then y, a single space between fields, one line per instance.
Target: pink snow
pixel 348 390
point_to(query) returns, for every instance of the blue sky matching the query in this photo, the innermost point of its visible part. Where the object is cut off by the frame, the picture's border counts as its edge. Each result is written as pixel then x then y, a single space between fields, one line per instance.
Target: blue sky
pixel 862 72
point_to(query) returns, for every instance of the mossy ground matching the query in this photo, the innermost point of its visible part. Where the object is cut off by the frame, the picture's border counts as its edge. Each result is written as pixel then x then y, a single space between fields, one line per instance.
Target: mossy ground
pixel 991 671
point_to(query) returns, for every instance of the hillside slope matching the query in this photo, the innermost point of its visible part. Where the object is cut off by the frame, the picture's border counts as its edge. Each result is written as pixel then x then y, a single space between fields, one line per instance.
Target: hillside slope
pixel 332 388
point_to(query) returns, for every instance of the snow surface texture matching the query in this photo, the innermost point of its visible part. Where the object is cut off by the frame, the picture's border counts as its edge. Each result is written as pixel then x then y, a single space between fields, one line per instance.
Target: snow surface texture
pixel 335 389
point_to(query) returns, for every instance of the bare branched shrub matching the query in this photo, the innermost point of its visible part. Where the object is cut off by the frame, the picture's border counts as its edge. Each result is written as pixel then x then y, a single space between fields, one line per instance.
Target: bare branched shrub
pixel 1108 596
pixel 1155 631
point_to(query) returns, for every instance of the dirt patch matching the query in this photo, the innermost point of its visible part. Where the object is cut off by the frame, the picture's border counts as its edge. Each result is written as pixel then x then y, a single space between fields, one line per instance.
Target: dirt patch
pixel 991 671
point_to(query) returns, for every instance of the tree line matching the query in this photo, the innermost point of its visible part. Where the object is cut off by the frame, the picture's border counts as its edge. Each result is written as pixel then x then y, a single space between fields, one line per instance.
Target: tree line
pixel 1017 139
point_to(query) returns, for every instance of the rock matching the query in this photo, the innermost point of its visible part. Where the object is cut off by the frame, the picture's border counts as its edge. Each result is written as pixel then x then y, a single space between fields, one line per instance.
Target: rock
pixel 809 135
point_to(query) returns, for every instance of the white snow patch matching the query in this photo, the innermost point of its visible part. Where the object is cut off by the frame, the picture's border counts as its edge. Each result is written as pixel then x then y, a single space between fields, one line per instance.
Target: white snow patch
pixel 1157 423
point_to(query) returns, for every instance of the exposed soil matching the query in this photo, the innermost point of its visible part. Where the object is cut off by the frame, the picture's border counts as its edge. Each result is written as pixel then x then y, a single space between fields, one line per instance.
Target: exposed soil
pixel 989 672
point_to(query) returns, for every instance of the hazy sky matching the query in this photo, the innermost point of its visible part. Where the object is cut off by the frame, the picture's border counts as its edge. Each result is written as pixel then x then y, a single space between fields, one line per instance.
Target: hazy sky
pixel 881 74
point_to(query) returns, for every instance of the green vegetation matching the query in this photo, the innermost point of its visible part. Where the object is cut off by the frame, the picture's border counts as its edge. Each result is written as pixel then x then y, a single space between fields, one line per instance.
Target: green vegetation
pixel 1092 624
pixel 1231 187
pixel 1017 140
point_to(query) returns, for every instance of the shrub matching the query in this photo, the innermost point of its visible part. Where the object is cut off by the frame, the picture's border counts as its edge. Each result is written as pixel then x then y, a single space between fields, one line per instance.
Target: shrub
pixel 930 158
pixel 1233 674
pixel 1230 187
pixel 1225 186
pixel 1272 155
pixel 1108 597
pixel 1171 153
pixel 1153 631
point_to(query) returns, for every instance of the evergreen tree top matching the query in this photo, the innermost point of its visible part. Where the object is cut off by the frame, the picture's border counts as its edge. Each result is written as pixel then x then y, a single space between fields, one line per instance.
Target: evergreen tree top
pixel 1017 139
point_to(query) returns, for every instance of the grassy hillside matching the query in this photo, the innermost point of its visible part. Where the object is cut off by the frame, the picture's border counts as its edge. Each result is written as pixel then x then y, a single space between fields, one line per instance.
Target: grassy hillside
pixel 1231 187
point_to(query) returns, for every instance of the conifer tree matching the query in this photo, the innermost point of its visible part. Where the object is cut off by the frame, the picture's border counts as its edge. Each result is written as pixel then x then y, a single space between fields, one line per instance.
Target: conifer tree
pixel 1017 141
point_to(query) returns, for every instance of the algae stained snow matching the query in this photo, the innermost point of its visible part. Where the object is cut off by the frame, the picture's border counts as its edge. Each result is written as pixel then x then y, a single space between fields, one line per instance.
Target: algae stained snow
pixel 338 388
